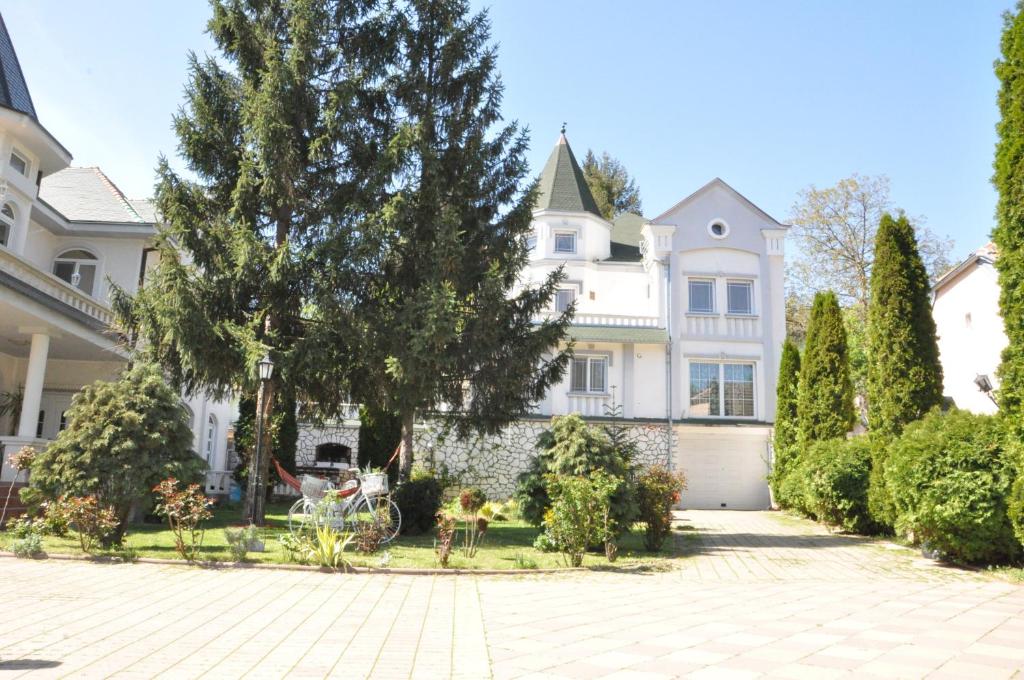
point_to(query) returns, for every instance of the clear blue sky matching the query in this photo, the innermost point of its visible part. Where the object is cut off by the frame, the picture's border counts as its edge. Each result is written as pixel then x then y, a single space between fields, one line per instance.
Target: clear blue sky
pixel 772 97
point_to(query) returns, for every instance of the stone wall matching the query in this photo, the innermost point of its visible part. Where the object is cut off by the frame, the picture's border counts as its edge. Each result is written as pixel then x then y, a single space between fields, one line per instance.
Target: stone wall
pixel 344 432
pixel 494 462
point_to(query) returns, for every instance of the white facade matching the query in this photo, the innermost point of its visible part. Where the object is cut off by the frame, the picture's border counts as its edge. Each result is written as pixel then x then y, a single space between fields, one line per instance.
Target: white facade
pixel 66 236
pixel 970 330
pixel 679 319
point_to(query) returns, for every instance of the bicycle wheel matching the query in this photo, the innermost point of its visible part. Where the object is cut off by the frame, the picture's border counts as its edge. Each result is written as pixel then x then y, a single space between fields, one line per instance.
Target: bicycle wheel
pixel 300 516
pixel 389 518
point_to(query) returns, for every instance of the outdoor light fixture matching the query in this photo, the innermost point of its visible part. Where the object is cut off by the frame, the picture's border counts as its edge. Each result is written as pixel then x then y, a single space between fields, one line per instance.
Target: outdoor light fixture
pixel 984 385
pixel 266 368
pixel 255 498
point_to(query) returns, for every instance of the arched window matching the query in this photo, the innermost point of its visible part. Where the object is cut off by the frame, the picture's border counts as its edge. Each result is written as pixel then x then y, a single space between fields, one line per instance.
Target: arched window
pixel 333 453
pixel 6 224
pixel 77 267
pixel 210 447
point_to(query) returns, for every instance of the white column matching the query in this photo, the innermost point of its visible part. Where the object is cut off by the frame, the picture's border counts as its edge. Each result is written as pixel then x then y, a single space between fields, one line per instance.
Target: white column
pixel 34 375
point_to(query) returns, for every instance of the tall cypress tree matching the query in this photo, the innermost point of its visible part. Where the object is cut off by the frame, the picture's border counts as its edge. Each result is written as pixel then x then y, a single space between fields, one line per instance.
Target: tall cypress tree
pixel 786 394
pixel 279 135
pixel 904 373
pixel 443 329
pixel 1009 232
pixel 825 393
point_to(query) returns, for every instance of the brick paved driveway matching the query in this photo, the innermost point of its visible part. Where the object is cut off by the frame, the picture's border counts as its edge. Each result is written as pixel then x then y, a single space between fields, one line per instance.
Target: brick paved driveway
pixel 758 594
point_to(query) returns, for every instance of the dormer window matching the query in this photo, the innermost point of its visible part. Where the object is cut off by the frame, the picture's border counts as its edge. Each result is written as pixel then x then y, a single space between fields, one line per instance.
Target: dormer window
pixel 6 224
pixel 565 242
pixel 77 267
pixel 19 163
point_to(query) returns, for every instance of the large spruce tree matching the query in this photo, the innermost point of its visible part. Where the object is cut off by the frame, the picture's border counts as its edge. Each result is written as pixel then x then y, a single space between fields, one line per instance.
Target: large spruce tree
pixel 279 137
pixel 825 395
pixel 443 329
pixel 1009 232
pixel 786 395
pixel 904 373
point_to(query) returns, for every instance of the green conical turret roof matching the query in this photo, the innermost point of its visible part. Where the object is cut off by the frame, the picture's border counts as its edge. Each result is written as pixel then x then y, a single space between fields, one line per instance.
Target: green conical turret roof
pixel 562 185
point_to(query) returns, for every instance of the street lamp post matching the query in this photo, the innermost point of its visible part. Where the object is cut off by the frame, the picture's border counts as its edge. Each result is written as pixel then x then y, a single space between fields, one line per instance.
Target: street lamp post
pixel 256 491
pixel 985 385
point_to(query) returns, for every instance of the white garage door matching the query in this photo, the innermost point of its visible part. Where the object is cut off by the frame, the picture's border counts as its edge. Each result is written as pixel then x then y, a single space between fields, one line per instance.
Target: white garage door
pixel 723 472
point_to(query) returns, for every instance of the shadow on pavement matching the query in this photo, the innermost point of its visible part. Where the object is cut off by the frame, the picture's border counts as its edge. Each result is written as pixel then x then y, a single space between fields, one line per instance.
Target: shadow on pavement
pixel 27 664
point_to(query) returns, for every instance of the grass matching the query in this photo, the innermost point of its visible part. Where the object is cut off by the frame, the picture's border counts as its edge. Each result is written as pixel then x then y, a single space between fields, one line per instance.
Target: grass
pixel 508 545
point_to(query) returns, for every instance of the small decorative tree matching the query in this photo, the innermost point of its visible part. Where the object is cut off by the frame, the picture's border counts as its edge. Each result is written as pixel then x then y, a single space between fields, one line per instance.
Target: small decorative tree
pixel 122 438
pixel 185 509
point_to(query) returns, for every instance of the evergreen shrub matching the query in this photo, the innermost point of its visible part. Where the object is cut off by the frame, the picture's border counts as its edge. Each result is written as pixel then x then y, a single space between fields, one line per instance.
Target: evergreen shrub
pixel 837 485
pixel 950 477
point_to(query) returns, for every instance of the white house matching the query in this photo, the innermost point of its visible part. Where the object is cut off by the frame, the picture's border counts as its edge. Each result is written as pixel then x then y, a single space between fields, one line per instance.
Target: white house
pixel 66 235
pixel 678 328
pixel 970 329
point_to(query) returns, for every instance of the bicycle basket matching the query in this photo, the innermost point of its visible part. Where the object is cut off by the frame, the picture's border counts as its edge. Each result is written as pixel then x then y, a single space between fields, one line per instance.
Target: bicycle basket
pixel 313 488
pixel 374 484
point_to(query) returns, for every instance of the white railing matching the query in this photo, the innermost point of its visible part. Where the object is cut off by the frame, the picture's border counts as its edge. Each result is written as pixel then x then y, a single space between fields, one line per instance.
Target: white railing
pixel 723 326
pixel 589 404
pixel 47 283
pixel 218 481
pixel 699 324
pixel 616 320
pixel 742 326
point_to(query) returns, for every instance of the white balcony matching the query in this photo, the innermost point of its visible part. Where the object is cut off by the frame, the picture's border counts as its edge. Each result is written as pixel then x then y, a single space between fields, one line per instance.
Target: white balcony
pixel 48 284
pixel 729 326
pixel 589 404
pixel 618 320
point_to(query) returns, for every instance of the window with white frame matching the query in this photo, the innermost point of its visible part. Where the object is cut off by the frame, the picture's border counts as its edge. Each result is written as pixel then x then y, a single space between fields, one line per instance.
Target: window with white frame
pixel 19 163
pixel 209 447
pixel 6 224
pixel 721 389
pixel 77 267
pixel 565 242
pixel 702 296
pixel 589 374
pixel 740 297
pixel 564 297
pixel 531 241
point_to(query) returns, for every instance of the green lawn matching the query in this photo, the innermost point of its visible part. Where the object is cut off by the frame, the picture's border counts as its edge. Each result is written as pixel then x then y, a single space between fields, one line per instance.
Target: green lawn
pixel 508 545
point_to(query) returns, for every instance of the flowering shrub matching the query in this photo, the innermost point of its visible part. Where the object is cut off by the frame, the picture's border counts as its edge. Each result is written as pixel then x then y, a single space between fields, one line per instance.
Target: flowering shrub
pixel 91 521
pixel 185 509
pixel 657 491
pixel 579 513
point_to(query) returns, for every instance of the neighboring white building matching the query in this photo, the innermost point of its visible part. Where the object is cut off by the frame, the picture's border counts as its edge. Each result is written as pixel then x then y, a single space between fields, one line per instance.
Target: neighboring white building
pixel 970 329
pixel 66 234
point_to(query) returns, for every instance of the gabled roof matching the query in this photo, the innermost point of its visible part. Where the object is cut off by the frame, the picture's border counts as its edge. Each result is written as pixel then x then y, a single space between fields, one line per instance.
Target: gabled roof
pixel 87 195
pixel 13 89
pixel 562 185
pixel 983 255
pixel 719 182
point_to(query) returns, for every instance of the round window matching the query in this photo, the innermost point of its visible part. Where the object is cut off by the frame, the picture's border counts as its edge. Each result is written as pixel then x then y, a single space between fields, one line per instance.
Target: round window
pixel 718 229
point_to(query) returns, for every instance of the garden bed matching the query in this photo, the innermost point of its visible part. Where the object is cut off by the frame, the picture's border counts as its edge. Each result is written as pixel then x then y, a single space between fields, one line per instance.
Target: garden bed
pixel 507 547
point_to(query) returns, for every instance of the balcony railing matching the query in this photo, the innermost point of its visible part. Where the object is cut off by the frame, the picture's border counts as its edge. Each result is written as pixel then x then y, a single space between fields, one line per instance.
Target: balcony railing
pixel 48 284
pixel 589 404
pixel 616 320
pixel 730 326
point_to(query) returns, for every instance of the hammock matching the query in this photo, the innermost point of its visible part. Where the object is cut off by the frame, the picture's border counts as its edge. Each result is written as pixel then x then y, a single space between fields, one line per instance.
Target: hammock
pixel 293 482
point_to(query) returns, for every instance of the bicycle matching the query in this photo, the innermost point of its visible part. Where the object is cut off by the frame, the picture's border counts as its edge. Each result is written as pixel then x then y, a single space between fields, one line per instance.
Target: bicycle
pixel 358 503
